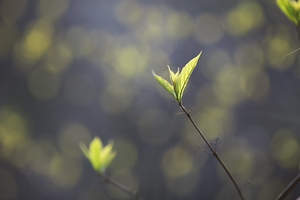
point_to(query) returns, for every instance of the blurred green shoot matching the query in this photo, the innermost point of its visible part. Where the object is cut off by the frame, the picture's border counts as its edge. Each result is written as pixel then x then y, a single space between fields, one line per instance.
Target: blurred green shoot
pixel 291 8
pixel 179 79
pixel 99 156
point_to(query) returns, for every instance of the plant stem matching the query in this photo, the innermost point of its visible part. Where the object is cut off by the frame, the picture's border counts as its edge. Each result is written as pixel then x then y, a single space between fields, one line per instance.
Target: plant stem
pixel 215 154
pixel 289 188
pixel 114 183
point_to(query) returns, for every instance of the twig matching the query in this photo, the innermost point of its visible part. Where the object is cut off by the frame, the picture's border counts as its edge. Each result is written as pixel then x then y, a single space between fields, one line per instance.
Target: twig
pixel 121 187
pixel 289 188
pixel 215 154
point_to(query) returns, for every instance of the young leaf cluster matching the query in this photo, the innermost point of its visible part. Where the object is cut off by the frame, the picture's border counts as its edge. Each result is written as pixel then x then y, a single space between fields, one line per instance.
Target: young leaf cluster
pixel 100 157
pixel 178 80
pixel 291 8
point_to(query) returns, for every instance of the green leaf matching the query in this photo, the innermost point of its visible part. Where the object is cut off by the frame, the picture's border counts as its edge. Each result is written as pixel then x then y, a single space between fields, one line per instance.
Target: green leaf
pixel 110 158
pixel 291 9
pixel 184 77
pixel 94 154
pixel 106 156
pixel 173 77
pixel 84 149
pixel 165 84
pixel 106 152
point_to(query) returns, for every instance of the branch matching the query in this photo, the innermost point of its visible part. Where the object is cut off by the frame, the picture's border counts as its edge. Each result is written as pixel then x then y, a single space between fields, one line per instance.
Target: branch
pixel 215 154
pixel 121 187
pixel 289 188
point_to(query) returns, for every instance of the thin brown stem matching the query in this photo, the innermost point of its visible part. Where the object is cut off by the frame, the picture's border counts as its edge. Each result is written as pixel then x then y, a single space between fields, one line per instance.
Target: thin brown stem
pixel 121 187
pixel 215 154
pixel 289 188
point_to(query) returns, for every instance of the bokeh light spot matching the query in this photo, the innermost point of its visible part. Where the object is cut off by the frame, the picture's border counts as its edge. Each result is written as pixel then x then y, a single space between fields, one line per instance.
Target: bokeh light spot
pixel 280 46
pixel 153 26
pixel 129 61
pixel 177 162
pixel 216 60
pixel 64 172
pixel 127 155
pixel 13 131
pixel 71 135
pixel 215 121
pixel 240 162
pixel 39 156
pixel 59 58
pixel 255 85
pixel 249 54
pixel 36 42
pixel 247 16
pixel 286 149
pixel 208 28
pixel 179 25
pixel 226 88
pixel 115 99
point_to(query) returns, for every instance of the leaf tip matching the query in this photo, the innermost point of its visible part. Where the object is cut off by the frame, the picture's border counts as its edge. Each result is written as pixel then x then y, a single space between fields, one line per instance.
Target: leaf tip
pixel 153 73
pixel 84 149
pixel 198 56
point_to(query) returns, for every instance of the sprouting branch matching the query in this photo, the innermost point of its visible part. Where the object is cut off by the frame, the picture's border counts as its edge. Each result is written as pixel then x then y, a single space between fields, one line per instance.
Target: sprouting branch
pixel 176 88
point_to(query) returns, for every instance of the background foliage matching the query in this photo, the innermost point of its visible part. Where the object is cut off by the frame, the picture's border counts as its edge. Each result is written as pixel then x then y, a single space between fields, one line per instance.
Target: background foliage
pixel 75 69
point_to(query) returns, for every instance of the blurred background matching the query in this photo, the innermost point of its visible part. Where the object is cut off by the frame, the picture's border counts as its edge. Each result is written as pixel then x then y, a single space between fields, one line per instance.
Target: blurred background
pixel 71 70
